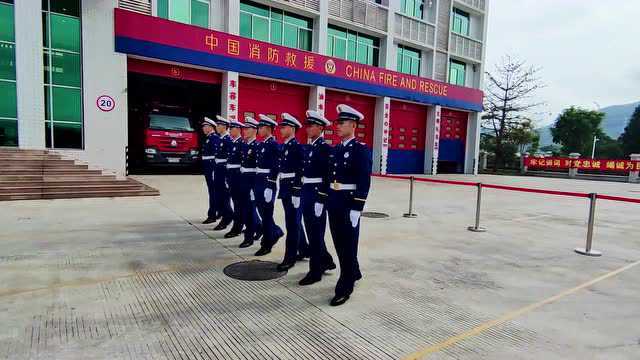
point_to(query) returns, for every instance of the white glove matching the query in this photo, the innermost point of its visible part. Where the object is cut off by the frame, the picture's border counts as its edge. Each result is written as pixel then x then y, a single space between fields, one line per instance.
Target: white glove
pixel 317 209
pixel 213 175
pixel 251 195
pixel 354 216
pixel 268 193
pixel 296 201
pixel 226 183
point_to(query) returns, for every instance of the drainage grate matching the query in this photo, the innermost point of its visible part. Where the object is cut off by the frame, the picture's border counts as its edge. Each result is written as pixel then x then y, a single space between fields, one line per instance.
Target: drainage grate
pixel 253 270
pixel 375 215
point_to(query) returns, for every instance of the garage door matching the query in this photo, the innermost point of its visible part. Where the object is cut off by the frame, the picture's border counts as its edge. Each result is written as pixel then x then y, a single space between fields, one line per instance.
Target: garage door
pixel 365 104
pixel 407 133
pixel 453 135
pixel 272 98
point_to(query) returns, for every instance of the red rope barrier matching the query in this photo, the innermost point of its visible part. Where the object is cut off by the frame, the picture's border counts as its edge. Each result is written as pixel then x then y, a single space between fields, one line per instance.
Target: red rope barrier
pixel 538 191
pixel 618 198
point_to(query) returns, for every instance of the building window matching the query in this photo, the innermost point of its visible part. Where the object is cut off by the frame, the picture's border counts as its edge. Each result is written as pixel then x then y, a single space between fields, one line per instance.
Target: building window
pixel 460 22
pixel 413 8
pixel 409 60
pixel 275 26
pixel 62 73
pixel 457 72
pixel 194 12
pixel 8 99
pixel 353 46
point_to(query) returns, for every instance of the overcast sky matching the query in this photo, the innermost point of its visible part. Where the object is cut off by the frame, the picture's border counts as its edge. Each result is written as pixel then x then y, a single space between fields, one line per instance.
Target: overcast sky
pixel 589 50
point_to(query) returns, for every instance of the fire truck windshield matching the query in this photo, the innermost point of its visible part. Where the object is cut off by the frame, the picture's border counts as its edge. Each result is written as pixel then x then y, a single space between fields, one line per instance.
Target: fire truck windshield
pixel 167 122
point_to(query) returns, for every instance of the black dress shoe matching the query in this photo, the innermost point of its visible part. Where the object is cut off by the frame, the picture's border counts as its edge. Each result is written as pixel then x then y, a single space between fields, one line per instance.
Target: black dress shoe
pixel 263 251
pixel 284 266
pixel 330 266
pixel 339 300
pixel 310 279
pixel 231 234
pixel 223 225
pixel 245 244
pixel 209 221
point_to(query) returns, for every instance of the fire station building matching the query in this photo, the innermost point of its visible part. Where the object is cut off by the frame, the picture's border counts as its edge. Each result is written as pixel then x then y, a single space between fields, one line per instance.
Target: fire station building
pixel 75 75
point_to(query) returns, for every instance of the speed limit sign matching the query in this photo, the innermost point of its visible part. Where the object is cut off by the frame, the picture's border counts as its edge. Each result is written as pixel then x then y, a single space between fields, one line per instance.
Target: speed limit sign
pixel 105 103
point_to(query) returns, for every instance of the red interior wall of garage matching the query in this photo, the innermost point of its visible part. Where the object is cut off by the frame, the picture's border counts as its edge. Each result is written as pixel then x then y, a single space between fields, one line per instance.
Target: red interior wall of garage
pixel 365 104
pixel 273 98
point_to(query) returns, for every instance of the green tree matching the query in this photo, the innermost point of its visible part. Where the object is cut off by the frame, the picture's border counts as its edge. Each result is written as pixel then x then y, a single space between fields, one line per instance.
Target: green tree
pixel 524 135
pixel 575 129
pixel 630 138
pixel 508 101
pixel 608 148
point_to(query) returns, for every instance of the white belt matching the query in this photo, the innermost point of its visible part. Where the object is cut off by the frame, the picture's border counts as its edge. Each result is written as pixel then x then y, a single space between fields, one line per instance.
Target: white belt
pixel 262 171
pixel 208 157
pixel 306 180
pixel 338 186
pixel 233 166
pixel 247 170
pixel 287 175
pixel 221 161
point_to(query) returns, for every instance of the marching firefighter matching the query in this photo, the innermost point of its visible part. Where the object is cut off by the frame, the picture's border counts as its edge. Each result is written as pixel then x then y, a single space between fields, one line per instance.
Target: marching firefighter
pixel 221 152
pixel 349 182
pixel 247 180
pixel 291 157
pixel 315 184
pixel 234 177
pixel 208 157
pixel 266 185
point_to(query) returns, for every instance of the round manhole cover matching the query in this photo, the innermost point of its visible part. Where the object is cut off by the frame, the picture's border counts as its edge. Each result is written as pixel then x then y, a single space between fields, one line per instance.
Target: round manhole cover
pixel 375 215
pixel 253 270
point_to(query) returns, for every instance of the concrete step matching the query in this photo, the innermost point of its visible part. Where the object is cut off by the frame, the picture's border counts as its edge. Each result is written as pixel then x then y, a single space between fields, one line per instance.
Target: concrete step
pixel 18 156
pixel 48 177
pixel 77 194
pixel 13 150
pixel 26 162
pixel 71 182
pixel 49 171
pixel 42 165
pixel 48 188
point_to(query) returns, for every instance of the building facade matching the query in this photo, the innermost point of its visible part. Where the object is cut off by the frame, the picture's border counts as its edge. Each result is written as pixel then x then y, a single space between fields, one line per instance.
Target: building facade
pixel 412 67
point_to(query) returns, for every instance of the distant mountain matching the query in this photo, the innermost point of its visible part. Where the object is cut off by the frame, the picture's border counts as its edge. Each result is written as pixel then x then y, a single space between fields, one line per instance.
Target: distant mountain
pixel 615 120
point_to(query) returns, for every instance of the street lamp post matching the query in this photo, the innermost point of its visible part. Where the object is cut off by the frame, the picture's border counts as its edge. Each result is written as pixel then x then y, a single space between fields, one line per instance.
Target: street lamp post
pixel 593 150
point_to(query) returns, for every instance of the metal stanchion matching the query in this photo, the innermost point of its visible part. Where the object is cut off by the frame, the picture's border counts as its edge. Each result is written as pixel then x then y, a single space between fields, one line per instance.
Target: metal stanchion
pixel 411 214
pixel 476 227
pixel 587 250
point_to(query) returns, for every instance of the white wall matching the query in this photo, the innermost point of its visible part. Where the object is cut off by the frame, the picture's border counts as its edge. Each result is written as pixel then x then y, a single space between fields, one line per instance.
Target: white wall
pixel 104 73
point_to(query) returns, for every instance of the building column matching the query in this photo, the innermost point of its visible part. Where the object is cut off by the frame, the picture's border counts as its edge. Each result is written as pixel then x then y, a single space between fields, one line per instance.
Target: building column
pixel 381 134
pixel 432 140
pixel 634 176
pixel 388 56
pixel 232 20
pixel 29 74
pixel 317 97
pixel 472 148
pixel 230 94
pixel 320 30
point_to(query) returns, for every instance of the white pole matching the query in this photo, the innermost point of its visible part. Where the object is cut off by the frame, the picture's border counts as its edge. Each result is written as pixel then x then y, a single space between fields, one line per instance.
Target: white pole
pixel 593 150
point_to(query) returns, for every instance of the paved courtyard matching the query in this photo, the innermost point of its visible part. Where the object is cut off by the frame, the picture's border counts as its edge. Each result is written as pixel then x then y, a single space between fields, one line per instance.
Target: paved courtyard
pixel 140 278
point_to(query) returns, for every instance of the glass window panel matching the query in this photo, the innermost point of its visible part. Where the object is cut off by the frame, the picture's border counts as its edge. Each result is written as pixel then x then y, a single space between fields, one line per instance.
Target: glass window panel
pixel 179 11
pixel 352 51
pixel 276 14
pixel 47 70
pixel 45 5
pixel 45 29
pixel 297 20
pixel 67 105
pixel 8 100
pixel 8 132
pixel 6 23
pixel 337 32
pixel 163 9
pixel 340 48
pixel 406 64
pixel 260 28
pixel 361 55
pixel 47 134
pixel 330 46
pixel 410 7
pixel 399 60
pixel 67 136
pixel 304 43
pixel 47 103
pixel 65 33
pixel 67 7
pixel 199 13
pixel 7 61
pixel 66 69
pixel 245 25
pixel 290 36
pixel 254 8
pixel 276 32
pixel 415 67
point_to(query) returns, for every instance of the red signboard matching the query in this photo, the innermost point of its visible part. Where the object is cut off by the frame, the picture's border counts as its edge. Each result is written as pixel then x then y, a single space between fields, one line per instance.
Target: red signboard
pixel 582 164
pixel 159 38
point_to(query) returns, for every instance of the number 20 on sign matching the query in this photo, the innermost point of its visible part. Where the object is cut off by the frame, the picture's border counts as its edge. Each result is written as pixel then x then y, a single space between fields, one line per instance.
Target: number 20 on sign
pixel 105 103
